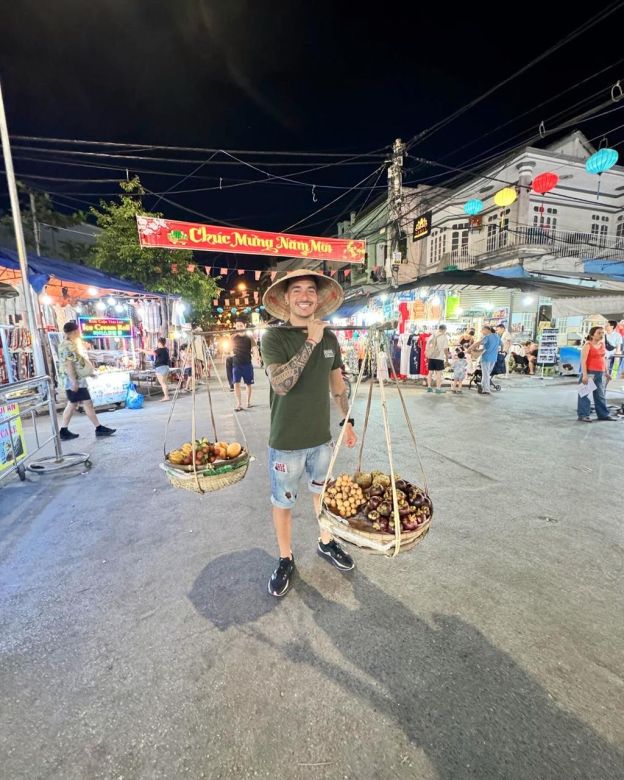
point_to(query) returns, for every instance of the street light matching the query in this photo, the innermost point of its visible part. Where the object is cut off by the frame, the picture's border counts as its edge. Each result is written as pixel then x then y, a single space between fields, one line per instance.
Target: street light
pixel 242 286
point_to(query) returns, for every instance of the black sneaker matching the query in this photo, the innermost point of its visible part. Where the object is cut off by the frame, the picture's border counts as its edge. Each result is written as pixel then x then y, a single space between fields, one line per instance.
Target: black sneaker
pixel 102 430
pixel 66 434
pixel 336 555
pixel 279 584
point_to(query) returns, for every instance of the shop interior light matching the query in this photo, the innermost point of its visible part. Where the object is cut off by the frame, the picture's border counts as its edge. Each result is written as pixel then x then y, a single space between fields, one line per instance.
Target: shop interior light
pixel 435 301
pixel 111 301
pixel 528 300
pixel 78 307
pixel 100 306
pixel 488 306
pixel 384 297
pixel 46 300
pixel 459 310
pixel 423 293
pixel 93 291
pixel 119 308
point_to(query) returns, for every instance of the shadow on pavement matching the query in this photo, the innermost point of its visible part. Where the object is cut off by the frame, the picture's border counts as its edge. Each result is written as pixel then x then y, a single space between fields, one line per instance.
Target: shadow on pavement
pixel 469 706
pixel 232 589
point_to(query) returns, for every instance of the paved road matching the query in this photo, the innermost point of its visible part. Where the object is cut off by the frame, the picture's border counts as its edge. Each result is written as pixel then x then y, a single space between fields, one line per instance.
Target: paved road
pixel 138 640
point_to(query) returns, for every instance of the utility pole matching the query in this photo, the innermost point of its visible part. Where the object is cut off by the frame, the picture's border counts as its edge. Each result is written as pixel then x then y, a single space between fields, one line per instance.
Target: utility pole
pixel 39 365
pixel 395 203
pixel 33 212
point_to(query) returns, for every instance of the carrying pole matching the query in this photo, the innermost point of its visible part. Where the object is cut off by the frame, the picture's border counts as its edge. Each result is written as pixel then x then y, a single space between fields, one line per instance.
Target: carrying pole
pixel 39 364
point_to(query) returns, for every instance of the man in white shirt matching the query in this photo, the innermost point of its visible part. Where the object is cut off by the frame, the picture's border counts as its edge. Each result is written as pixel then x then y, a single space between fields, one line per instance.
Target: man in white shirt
pixel 437 353
pixel 506 341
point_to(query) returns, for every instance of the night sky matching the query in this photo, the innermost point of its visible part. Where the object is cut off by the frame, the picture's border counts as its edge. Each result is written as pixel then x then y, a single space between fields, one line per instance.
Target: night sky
pixel 290 76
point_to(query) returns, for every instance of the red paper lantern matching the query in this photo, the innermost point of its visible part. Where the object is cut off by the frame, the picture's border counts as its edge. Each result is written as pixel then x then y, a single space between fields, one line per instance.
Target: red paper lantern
pixel 545 182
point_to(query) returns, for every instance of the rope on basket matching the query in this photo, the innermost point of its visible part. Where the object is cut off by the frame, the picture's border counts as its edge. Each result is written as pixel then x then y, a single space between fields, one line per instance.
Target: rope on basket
pixel 332 462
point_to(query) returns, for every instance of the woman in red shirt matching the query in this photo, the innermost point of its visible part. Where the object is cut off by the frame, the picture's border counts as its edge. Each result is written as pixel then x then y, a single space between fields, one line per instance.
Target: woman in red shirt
pixel 593 366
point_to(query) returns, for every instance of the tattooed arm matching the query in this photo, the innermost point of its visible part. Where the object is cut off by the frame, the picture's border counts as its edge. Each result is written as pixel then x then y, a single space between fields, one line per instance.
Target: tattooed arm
pixel 339 391
pixel 285 376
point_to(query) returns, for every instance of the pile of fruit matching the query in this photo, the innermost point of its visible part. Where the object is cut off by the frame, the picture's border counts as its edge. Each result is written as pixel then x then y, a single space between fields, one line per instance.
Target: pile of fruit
pixel 365 501
pixel 206 453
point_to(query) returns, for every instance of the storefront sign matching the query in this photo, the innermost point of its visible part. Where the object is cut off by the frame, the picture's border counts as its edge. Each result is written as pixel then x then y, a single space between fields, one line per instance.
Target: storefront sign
pixel 12 444
pixel 171 234
pixel 452 305
pixel 422 226
pixel 105 328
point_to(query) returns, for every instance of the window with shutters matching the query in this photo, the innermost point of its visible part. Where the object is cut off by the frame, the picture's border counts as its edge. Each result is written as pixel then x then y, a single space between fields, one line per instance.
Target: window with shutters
pixel 545 217
pixel 437 246
pixel 619 229
pixel 600 228
pixel 459 241
pixel 498 230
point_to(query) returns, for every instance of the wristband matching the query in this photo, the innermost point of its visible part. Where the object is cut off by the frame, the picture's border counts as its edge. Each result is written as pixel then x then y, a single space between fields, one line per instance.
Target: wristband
pixel 349 420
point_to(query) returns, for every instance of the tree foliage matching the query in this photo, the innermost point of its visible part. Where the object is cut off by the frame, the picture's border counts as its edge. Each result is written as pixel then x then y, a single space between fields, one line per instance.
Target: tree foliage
pixel 117 251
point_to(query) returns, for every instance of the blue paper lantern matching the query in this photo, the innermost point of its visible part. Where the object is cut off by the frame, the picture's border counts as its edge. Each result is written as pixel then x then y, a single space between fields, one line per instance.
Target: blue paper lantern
pixel 219 310
pixel 601 161
pixel 234 311
pixel 473 207
pixel 262 308
pixel 247 310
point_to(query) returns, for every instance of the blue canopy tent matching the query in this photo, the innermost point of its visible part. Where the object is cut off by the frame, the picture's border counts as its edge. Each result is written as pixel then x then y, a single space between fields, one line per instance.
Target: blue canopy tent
pixel 43 271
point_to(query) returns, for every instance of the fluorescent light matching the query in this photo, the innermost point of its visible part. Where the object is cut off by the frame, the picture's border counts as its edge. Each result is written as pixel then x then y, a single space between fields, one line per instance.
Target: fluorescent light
pixel 528 300
pixel 111 301
pixel 435 301
pixel 459 310
pixel 488 306
pixel 46 300
pixel 423 293
pixel 119 308
pixel 100 306
pixel 93 291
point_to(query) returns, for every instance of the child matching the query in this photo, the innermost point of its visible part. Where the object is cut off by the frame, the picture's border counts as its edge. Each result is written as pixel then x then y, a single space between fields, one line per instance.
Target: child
pixel 183 360
pixel 460 369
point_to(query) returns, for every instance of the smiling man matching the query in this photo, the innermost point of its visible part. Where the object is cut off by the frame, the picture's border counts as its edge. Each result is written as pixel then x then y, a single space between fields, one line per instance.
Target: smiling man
pixel 302 365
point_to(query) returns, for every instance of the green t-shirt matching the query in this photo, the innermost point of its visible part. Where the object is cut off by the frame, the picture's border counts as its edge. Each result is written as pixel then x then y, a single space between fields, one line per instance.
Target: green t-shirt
pixel 300 419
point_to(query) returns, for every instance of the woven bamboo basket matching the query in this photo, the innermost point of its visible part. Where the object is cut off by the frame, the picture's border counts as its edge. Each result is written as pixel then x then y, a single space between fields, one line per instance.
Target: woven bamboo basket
pixel 390 544
pixel 207 480
pixel 380 543
pixel 209 477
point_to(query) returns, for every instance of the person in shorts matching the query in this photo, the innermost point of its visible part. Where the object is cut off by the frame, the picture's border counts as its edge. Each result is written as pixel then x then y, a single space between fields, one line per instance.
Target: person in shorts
pixel 184 363
pixel 74 367
pixel 303 363
pixel 242 366
pixel 437 353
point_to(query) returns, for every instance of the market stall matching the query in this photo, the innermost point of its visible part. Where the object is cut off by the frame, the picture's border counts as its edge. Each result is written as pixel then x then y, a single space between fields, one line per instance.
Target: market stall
pixel 119 321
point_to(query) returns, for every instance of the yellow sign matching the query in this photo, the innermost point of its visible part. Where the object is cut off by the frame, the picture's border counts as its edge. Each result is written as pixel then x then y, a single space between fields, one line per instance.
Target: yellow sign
pixel 12 444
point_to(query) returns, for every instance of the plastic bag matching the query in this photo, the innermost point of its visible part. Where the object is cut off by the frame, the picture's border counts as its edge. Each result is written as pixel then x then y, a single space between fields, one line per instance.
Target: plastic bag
pixel 134 399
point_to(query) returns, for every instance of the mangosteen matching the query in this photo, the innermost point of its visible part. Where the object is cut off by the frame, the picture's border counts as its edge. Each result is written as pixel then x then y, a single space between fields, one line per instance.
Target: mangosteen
pixel 401 496
pixel 385 509
pixel 373 516
pixel 404 510
pixel 417 500
pixel 376 490
pixel 401 484
pixel 376 527
pixel 374 502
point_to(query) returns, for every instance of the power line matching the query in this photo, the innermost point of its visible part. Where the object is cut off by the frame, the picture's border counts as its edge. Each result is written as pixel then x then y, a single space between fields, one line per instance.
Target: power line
pixel 208 150
pixel 599 17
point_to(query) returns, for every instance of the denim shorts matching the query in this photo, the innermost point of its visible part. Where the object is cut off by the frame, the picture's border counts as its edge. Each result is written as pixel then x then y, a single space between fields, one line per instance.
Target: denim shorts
pixel 286 467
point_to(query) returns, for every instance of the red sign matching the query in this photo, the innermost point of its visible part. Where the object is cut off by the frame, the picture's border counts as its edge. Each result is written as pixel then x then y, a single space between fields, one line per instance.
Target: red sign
pixel 170 234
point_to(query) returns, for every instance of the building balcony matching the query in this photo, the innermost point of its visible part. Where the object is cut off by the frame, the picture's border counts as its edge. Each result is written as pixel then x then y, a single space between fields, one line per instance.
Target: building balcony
pixel 530 242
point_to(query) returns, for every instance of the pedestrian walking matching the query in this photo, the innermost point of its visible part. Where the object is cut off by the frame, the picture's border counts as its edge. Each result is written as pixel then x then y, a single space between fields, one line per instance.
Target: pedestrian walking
pixel 460 369
pixel 594 374
pixel 506 341
pixel 613 345
pixel 242 366
pixel 490 345
pixel 162 364
pixel 437 352
pixel 74 369
pixel 302 363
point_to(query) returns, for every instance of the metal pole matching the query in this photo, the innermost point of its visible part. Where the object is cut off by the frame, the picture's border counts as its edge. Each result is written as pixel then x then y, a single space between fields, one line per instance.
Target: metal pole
pixel 39 365
pixel 54 421
pixel 33 213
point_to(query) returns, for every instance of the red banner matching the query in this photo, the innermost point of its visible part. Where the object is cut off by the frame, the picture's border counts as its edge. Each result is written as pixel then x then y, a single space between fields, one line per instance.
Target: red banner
pixel 171 234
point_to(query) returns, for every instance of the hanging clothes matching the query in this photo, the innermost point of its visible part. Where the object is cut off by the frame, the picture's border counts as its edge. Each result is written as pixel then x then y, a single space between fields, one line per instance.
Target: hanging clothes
pixel 422 344
pixel 382 367
pixel 406 350
pixel 414 357
pixel 403 316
